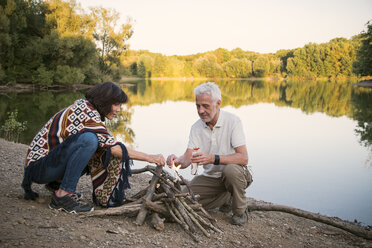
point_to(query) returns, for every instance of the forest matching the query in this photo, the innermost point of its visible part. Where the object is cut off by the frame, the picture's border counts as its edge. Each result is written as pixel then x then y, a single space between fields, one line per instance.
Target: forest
pixel 54 42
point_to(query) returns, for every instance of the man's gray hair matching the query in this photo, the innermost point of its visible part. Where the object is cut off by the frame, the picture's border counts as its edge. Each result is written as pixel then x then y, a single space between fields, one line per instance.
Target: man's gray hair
pixel 209 88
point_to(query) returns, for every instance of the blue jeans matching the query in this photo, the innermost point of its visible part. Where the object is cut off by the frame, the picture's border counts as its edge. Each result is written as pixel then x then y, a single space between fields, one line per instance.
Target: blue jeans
pixel 66 162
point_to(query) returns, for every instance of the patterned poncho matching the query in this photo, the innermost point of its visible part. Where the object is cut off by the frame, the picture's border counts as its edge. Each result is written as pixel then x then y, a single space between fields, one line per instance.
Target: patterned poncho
pixel 79 117
pixel 109 175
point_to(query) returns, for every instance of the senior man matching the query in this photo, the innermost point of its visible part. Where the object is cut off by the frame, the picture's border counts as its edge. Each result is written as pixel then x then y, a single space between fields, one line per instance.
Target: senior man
pixel 223 154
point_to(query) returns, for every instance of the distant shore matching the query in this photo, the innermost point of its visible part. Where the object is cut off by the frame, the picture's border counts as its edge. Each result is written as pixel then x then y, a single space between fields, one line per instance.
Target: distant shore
pixel 26 87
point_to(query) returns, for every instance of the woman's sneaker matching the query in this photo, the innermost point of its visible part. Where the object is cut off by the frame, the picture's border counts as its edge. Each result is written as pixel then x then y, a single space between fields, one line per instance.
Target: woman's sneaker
pixel 69 204
pixel 53 186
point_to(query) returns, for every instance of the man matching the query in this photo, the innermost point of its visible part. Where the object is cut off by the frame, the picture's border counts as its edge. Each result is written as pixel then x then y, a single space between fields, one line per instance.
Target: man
pixel 223 154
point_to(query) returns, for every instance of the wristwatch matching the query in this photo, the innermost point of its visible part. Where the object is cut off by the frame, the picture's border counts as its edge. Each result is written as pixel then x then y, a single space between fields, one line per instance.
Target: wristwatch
pixel 216 159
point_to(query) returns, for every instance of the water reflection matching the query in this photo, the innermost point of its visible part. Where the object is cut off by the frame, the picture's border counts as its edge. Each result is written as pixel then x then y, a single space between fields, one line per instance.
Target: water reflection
pixel 332 98
pixel 302 136
pixel 362 112
pixel 36 108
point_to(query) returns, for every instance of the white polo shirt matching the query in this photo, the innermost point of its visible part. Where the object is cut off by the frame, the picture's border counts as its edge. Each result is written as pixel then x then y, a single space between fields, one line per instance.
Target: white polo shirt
pixel 226 135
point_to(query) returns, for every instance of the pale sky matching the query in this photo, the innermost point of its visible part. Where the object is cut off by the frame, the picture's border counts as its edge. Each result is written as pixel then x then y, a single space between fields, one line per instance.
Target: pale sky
pixel 184 27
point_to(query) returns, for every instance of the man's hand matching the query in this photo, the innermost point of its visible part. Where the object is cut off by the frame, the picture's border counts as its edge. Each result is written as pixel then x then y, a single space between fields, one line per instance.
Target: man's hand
pixel 202 158
pixel 172 159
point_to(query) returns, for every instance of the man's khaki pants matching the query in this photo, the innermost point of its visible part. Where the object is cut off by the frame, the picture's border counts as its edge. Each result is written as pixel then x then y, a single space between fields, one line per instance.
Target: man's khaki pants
pixel 214 192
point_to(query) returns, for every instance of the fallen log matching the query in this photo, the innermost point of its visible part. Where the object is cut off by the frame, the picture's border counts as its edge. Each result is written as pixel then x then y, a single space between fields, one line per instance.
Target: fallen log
pixel 122 210
pixel 354 229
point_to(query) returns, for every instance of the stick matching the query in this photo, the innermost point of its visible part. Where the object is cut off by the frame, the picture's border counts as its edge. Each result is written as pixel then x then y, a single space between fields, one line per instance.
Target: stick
pixel 125 209
pixel 198 217
pixel 194 219
pixel 183 223
pixel 150 191
pixel 155 207
pixel 179 207
pixel 179 216
pixel 356 230
pixel 172 213
pixel 157 222
pixel 185 215
pixel 187 185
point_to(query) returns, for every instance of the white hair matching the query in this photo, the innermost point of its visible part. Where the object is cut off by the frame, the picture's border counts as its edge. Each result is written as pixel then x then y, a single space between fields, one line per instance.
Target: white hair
pixel 209 88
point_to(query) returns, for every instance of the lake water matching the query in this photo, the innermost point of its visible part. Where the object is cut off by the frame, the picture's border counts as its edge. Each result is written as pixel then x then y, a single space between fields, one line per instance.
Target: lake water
pixel 309 144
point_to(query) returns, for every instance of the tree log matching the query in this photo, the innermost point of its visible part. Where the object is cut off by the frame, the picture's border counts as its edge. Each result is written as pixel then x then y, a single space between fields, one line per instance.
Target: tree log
pixel 150 191
pixel 158 208
pixel 125 209
pixel 356 230
pixel 157 222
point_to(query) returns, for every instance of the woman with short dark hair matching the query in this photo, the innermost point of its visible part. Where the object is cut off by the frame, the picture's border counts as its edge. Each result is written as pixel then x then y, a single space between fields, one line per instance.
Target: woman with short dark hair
pixel 75 141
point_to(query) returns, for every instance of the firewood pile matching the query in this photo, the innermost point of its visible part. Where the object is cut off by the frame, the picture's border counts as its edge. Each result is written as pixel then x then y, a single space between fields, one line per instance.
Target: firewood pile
pixel 163 201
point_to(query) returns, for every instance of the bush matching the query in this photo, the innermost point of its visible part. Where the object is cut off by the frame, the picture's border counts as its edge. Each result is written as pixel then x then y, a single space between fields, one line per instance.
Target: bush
pixel 43 76
pixel 12 127
pixel 68 75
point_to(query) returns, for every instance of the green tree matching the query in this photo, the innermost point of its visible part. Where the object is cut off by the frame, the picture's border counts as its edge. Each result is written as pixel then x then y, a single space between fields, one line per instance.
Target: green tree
pixel 363 65
pixel 21 22
pixel 145 66
pixel 261 66
pixel 111 39
pixel 68 18
pixel 222 55
pixel 238 68
pixel 207 66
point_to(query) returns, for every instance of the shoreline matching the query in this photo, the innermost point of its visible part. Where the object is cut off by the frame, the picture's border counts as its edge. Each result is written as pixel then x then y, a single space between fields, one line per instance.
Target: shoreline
pixel 32 224
pixel 25 87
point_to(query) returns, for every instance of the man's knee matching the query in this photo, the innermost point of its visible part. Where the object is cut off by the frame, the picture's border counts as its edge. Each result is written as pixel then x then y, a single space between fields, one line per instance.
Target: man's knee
pixel 232 171
pixel 238 175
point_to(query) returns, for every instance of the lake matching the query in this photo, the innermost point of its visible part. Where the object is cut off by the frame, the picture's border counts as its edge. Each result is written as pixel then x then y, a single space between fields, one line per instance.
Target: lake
pixel 309 142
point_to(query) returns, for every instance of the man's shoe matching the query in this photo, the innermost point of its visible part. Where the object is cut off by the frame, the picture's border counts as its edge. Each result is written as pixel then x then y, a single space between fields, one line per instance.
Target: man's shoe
pixel 69 204
pixel 240 219
pixel 227 207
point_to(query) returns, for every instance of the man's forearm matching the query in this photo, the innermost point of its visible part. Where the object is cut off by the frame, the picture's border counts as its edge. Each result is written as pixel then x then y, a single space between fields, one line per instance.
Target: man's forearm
pixel 236 158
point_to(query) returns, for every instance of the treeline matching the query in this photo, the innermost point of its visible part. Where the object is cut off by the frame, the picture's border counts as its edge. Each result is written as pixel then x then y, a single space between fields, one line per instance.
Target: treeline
pixel 338 58
pixel 54 41
pixel 51 42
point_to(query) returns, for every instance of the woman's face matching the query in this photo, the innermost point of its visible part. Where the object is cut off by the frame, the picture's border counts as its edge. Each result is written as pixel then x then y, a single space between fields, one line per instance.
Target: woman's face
pixel 115 109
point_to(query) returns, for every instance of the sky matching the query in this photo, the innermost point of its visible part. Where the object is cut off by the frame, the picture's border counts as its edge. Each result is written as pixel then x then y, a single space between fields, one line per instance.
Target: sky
pixel 185 27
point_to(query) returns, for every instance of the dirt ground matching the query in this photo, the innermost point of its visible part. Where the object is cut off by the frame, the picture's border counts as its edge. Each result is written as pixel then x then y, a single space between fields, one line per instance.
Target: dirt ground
pixel 32 224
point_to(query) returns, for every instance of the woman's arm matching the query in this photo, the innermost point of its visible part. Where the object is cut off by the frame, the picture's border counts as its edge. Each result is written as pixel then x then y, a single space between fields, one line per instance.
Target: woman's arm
pixel 157 159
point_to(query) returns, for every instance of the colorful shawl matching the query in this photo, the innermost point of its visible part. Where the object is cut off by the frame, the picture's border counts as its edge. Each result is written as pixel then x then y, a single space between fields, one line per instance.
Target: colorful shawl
pixel 77 118
pixel 109 174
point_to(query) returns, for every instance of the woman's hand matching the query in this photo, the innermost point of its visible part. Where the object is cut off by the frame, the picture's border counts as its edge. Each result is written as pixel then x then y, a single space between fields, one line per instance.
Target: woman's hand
pixel 157 159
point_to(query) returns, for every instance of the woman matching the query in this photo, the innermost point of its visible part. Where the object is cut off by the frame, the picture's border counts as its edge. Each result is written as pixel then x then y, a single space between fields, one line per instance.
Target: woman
pixel 74 141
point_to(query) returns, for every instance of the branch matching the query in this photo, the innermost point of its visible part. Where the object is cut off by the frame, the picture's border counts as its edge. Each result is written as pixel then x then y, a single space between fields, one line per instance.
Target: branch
pixel 150 191
pixel 356 230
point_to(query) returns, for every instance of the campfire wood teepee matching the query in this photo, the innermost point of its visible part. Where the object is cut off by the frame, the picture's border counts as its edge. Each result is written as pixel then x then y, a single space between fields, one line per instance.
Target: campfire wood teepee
pixel 164 200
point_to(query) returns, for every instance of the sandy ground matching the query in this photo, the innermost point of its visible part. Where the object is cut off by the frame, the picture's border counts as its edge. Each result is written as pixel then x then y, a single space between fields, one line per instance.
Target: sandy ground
pixel 32 224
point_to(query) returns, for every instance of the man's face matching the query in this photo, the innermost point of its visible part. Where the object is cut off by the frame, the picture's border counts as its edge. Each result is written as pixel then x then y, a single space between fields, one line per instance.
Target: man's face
pixel 207 108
